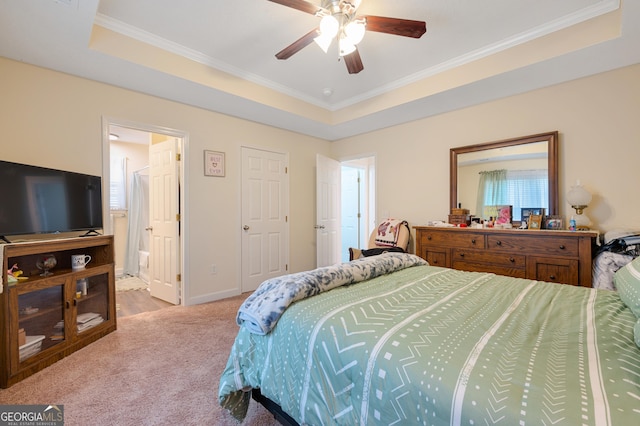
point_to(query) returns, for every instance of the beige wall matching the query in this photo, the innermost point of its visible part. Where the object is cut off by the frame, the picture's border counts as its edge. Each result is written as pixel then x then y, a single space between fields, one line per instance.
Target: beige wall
pixel 599 123
pixel 55 120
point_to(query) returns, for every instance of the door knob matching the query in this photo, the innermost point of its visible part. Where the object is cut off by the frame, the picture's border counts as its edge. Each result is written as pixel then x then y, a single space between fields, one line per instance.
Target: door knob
pixel 246 227
pixel 149 228
pixel 319 227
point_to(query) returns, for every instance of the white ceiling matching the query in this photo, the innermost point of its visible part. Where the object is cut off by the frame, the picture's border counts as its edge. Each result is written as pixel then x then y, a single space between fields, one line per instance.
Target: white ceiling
pixel 219 55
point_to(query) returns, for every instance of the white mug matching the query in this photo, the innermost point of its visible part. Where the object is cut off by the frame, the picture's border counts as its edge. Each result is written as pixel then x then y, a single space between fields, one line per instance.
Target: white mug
pixel 79 261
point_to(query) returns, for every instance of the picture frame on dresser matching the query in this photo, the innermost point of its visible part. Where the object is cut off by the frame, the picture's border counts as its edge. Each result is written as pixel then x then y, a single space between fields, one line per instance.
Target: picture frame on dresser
pixel 535 221
pixel 554 222
pixel 525 212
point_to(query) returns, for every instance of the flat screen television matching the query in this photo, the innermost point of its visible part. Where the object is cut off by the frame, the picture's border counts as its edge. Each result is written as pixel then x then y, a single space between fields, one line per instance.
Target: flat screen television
pixel 37 200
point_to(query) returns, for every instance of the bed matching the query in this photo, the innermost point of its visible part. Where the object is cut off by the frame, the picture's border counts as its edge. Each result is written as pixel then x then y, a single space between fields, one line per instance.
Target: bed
pixel 391 340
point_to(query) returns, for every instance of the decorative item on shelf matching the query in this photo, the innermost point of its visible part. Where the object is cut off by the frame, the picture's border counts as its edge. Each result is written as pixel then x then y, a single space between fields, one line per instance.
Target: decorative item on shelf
pixel 46 263
pixel 14 274
pixel 460 216
pixel 579 198
pixel 535 221
pixel 459 211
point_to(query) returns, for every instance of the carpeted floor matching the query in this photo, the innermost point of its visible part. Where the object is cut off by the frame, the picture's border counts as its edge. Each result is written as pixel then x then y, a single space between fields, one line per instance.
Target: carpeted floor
pixel 158 368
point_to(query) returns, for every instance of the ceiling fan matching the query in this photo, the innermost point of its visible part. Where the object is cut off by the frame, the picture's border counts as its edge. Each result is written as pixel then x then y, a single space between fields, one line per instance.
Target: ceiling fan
pixel 340 21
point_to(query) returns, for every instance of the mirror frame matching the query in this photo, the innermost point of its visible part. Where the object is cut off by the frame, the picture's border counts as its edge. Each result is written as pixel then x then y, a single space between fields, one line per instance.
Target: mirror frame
pixel 552 150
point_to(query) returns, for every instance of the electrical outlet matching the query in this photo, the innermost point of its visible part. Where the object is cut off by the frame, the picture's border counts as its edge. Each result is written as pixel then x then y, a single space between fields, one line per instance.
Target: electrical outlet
pixel 214 269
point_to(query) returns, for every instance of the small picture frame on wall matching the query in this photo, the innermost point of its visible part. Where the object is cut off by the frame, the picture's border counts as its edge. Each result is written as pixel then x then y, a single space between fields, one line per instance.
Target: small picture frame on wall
pixel 214 163
pixel 535 221
pixel 554 222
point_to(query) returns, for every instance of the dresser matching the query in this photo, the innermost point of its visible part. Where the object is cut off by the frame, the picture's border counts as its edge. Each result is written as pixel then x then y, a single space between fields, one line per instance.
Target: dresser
pixel 555 256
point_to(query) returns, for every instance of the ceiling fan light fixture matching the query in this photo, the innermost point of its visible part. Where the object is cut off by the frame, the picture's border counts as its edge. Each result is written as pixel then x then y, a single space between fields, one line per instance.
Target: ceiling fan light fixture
pixel 324 42
pixel 354 31
pixel 329 26
pixel 346 46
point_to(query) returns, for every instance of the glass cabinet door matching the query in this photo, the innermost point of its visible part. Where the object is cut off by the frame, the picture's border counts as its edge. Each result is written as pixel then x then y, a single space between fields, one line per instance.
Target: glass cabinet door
pixel 40 320
pixel 92 301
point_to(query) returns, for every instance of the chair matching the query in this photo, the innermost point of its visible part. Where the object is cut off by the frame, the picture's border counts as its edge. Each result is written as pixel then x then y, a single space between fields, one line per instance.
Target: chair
pixel 374 248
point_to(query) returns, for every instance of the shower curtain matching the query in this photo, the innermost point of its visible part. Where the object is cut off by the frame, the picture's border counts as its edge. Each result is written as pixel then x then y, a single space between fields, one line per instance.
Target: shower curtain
pixel 138 220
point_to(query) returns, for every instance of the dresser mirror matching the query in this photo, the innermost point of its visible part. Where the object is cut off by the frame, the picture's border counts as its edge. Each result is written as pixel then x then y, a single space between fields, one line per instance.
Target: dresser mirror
pixel 540 149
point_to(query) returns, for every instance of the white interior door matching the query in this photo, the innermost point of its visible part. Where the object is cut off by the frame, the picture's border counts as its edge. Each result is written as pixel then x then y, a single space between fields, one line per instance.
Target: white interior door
pixel 265 206
pixel 327 211
pixel 164 282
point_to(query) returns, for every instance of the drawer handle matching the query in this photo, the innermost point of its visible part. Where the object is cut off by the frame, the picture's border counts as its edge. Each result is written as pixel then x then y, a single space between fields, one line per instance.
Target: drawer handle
pixel 461 254
pixel 435 262
pixel 498 243
pixel 473 241
pixel 552 277
pixel 512 260
pixel 429 237
pixel 561 246
pixel 68 304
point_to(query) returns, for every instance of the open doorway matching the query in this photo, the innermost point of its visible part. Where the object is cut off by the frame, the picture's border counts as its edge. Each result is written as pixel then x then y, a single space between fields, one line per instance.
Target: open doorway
pixel 358 200
pixel 130 152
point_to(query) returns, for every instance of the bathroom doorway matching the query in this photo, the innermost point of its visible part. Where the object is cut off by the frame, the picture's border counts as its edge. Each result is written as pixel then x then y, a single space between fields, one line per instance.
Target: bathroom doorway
pixel 130 202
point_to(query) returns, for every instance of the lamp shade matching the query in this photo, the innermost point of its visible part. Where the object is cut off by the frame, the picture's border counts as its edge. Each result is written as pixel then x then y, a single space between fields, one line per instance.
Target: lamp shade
pixel 324 42
pixel 346 47
pixel 578 196
pixel 329 26
pixel 355 31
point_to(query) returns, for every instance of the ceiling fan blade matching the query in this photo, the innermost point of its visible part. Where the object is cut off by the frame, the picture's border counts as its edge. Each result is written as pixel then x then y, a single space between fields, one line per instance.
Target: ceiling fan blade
pixel 298 45
pixel 401 27
pixel 353 62
pixel 302 5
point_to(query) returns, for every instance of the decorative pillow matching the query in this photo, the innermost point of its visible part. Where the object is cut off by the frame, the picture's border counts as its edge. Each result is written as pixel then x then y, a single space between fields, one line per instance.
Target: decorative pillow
pixel 627 281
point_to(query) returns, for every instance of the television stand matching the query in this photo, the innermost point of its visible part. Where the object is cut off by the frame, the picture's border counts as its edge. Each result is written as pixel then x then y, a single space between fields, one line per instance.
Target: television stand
pixel 45 318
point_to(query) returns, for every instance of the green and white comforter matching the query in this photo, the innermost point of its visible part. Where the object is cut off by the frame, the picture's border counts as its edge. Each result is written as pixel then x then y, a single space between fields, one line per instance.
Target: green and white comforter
pixel 435 346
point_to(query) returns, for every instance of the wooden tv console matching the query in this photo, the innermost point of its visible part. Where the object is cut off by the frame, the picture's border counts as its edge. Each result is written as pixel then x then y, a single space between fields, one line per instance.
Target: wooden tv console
pixel 546 255
pixel 45 318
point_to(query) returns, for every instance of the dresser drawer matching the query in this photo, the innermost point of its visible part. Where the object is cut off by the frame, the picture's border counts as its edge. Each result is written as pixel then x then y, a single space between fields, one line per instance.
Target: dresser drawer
pixel 549 246
pixel 555 270
pixel 505 259
pixel 436 258
pixel 488 267
pixel 451 239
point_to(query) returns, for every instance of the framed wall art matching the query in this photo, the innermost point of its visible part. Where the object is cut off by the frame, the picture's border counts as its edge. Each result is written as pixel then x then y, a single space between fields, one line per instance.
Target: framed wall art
pixel 213 163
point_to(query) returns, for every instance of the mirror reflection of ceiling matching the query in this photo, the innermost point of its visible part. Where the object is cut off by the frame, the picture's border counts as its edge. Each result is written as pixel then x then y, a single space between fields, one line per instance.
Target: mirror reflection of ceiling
pixel 528 151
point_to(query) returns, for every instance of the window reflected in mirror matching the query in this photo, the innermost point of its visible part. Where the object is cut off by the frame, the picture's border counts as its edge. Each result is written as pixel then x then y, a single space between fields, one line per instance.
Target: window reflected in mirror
pixel 515 176
pixel 520 172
